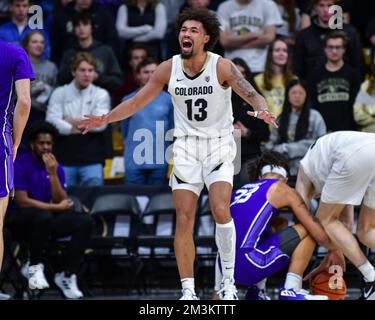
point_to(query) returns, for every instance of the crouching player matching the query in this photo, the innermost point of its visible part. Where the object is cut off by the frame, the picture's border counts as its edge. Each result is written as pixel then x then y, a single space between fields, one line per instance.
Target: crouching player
pixel 261 253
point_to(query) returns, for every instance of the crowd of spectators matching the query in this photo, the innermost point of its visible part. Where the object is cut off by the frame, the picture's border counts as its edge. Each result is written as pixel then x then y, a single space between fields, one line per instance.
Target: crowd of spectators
pixel 89 55
pixel 273 42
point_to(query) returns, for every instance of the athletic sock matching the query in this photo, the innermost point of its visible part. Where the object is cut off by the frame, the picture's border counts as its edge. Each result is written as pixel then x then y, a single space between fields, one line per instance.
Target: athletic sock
pixel 188 283
pixel 226 243
pixel 367 271
pixel 293 281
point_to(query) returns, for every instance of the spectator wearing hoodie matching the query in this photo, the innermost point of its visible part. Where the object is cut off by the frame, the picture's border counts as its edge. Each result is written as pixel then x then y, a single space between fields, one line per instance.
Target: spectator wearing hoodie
pixel 82 156
pixel 109 75
pixel 63 32
pixel 309 47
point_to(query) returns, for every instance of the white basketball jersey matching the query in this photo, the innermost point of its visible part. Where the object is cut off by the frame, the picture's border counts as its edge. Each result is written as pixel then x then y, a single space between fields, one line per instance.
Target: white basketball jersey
pixel 202 107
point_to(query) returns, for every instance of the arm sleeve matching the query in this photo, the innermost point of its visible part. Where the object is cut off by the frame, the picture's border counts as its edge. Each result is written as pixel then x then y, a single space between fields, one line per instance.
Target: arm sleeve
pixel 222 16
pixel 274 136
pixel 112 78
pixel 362 115
pixel 55 112
pixel 102 106
pixel 159 28
pixel 272 14
pixel 122 27
pixel 298 149
pixel 364 107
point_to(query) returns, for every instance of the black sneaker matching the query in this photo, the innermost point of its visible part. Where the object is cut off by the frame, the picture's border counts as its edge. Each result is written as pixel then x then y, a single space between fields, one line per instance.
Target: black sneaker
pixel 368 291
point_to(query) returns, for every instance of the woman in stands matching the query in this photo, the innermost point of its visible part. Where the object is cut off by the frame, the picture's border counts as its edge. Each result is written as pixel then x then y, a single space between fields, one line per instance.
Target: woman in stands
pixel 299 126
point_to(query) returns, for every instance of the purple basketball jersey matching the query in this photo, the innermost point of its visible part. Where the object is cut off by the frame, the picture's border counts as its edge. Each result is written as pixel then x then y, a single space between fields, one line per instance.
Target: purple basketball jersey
pixel 257 251
pixel 14 65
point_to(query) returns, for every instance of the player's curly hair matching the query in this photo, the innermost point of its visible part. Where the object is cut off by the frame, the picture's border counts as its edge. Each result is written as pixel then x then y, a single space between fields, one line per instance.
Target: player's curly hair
pixel 39 127
pixel 268 157
pixel 208 19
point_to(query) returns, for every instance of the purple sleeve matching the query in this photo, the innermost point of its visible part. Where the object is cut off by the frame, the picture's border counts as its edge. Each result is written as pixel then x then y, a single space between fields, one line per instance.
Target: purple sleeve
pixel 22 68
pixel 19 175
pixel 61 174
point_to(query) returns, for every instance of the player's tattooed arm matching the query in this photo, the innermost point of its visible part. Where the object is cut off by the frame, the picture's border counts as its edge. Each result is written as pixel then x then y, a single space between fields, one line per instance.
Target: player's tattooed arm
pixel 246 90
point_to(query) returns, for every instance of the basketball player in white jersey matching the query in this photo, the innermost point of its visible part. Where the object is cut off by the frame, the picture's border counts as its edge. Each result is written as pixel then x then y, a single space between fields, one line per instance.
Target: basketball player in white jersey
pixel 340 168
pixel 200 84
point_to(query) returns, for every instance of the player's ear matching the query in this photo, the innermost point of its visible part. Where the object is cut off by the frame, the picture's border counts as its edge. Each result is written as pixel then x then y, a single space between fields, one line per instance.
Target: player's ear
pixel 206 38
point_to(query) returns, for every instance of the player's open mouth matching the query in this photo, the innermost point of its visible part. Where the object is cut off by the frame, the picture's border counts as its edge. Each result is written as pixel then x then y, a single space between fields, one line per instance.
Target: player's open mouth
pixel 186 44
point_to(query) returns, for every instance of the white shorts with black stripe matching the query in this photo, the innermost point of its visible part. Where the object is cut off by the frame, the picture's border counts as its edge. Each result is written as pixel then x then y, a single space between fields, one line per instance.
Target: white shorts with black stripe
pixel 202 161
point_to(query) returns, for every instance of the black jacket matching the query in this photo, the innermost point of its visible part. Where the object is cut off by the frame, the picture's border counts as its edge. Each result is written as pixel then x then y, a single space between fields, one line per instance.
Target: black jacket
pixel 62 33
pixel 309 49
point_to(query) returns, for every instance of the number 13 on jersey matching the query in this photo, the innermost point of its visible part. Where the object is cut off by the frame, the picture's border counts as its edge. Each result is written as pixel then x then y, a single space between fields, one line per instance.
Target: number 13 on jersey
pixel 199 110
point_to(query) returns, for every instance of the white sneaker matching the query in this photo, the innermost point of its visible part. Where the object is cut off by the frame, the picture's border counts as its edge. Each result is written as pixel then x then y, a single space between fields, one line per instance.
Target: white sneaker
pixel 68 285
pixel 228 290
pixel 291 294
pixel 310 296
pixel 187 294
pixel 37 280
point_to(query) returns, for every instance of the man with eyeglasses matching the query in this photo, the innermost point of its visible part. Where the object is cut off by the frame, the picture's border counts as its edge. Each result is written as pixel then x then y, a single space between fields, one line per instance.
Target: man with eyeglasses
pixel 309 49
pixel 334 85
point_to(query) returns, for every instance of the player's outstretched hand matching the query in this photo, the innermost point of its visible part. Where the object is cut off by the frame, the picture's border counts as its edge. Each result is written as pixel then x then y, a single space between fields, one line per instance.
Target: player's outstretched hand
pixel 91 122
pixel 334 257
pixel 264 115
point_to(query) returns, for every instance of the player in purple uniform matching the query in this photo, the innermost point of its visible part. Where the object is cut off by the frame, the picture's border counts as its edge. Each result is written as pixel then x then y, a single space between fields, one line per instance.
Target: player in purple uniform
pixel 15 75
pixel 260 252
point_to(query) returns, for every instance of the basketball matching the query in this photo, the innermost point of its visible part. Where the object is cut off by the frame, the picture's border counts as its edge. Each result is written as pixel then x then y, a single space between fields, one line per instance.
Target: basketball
pixel 328 284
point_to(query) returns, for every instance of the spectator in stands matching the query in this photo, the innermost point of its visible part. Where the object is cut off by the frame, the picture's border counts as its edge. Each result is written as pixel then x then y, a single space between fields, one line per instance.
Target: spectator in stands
pixel 109 74
pixel 299 126
pixel 253 132
pixel 364 106
pixel 143 163
pixel 137 53
pixel 142 21
pixel 43 210
pixel 81 155
pixel 62 27
pixel 45 75
pixel 278 72
pixel 58 6
pixel 334 85
pixel 308 13
pixel 249 26
pixel 309 47
pixel 291 16
pixel 18 27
